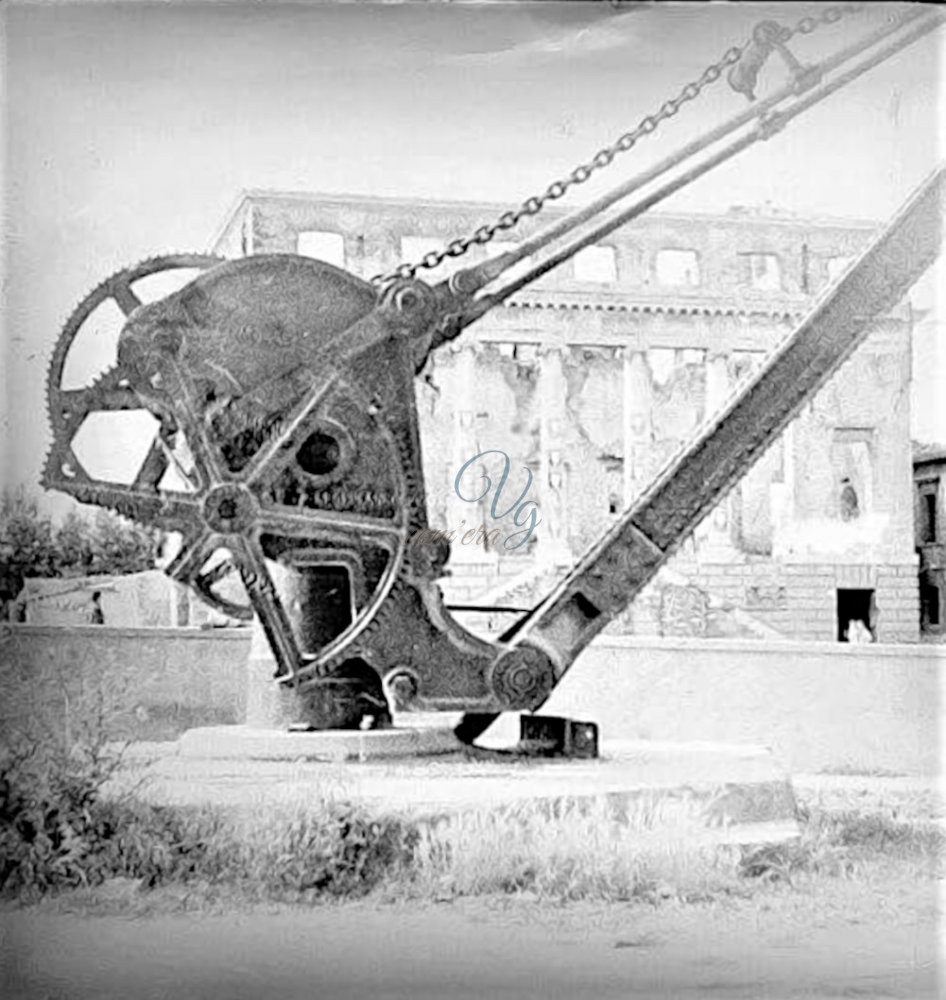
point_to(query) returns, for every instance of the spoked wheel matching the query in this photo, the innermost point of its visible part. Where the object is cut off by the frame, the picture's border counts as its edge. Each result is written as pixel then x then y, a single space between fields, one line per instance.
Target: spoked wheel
pixel 251 490
pixel 142 497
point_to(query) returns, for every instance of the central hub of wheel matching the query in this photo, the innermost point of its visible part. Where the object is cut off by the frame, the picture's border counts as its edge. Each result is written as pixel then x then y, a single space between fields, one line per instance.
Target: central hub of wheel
pixel 229 508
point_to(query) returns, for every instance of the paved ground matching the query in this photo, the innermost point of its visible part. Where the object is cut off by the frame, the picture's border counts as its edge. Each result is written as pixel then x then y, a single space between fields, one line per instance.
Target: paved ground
pixel 866 939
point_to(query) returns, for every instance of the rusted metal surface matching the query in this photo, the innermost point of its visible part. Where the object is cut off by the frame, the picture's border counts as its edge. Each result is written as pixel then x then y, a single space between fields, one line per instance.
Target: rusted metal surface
pixel 302 447
pixel 283 391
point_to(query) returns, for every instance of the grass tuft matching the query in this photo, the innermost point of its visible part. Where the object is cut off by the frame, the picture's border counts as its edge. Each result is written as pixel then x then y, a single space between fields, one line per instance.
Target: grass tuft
pixel 840 843
pixel 578 853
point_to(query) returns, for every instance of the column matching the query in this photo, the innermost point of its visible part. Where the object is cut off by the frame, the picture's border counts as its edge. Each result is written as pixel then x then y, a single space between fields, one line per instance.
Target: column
pixel 552 533
pixel 713 536
pixel 638 437
pixel 463 446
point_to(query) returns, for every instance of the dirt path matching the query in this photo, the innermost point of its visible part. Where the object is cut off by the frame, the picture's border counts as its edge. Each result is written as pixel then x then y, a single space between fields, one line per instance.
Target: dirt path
pixel 873 938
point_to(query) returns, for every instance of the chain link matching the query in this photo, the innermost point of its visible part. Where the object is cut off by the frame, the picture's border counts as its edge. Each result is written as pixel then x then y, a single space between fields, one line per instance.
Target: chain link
pixel 604 157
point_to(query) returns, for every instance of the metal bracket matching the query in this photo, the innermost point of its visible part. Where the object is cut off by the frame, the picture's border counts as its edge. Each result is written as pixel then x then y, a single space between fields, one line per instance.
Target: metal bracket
pixel 767 37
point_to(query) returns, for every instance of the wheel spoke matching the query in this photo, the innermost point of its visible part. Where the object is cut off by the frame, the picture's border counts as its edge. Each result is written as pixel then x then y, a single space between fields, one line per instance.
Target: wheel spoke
pixel 195 550
pixel 153 467
pixel 72 406
pixel 218 572
pixel 289 522
pixel 99 397
pixel 205 455
pixel 268 607
pixel 170 511
pixel 263 458
pixel 126 299
pixel 204 583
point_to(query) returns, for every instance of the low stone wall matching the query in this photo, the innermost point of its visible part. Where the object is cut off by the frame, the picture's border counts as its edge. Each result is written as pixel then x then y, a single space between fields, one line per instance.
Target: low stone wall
pixel 161 681
pixel 819 706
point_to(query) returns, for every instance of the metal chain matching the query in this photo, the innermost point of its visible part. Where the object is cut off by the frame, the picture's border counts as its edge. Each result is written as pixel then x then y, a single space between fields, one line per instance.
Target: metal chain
pixel 604 157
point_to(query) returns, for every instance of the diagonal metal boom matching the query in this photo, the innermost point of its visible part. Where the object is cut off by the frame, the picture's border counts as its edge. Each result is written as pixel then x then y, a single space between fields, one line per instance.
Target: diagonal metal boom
pixel 627 557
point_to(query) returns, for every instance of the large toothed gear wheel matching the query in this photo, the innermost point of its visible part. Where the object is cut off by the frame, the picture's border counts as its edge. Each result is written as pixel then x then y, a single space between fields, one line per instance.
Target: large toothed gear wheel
pixel 67 410
pixel 263 452
pixel 66 405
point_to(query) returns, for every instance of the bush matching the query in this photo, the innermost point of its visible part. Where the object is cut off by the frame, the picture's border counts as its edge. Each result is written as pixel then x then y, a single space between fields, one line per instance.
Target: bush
pixel 63 833
pixel 52 830
pixel 60 829
pixel 63 825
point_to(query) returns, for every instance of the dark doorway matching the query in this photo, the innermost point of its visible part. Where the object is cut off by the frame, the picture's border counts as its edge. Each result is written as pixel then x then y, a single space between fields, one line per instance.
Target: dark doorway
pixel 929 606
pixel 855 606
pixel 325 596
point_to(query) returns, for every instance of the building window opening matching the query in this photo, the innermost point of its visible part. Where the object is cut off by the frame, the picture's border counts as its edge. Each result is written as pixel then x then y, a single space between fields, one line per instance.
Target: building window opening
pixel 929 606
pixel 850 505
pixel 596 264
pixel 678 267
pixel 764 273
pixel 327 247
pixel 853 465
pixel 928 514
pixel 857 614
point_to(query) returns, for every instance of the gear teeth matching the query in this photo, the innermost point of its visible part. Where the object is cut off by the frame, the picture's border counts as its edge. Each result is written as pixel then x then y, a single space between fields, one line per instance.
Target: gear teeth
pixel 55 420
pixel 77 318
pixel 45 479
pixel 103 290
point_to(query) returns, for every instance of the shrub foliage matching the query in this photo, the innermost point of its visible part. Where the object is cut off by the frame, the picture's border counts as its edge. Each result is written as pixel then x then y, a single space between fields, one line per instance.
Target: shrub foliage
pixel 58 831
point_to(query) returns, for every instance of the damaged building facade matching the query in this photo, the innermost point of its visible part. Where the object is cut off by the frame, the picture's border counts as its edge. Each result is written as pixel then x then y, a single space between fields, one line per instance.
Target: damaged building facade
pixel 591 379
pixel 929 473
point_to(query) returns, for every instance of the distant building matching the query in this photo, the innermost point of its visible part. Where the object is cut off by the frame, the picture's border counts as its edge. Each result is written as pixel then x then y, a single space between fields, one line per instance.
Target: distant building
pixel 594 376
pixel 929 476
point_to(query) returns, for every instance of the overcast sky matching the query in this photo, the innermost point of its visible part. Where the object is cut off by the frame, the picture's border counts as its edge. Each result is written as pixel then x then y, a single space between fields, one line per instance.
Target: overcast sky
pixel 130 130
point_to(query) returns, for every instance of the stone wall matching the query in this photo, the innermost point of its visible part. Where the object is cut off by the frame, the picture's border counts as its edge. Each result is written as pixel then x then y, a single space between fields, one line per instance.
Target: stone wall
pixel 149 599
pixel 819 706
pixel 161 681
pixel 800 599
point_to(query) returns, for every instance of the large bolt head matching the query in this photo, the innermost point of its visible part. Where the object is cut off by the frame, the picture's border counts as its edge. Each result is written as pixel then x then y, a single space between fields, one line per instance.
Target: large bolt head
pixel 522 678
pixel 230 509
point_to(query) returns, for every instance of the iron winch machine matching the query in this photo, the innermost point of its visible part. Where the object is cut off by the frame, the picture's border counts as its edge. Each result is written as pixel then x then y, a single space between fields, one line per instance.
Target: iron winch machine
pixel 282 390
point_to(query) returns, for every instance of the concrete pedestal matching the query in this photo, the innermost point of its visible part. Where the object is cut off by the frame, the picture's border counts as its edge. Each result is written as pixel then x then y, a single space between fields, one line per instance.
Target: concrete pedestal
pixel 694 793
pixel 245 743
